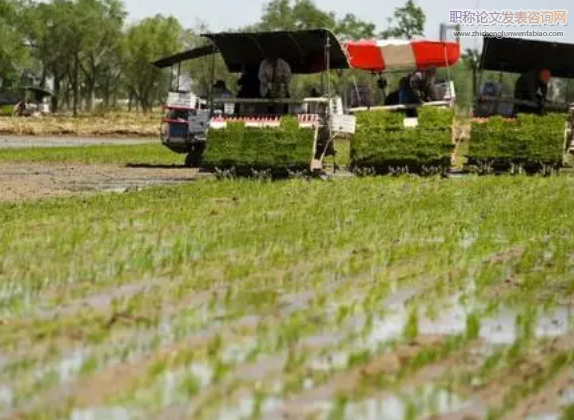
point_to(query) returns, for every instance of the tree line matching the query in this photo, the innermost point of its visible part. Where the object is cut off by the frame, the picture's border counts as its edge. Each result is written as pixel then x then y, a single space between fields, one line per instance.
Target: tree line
pixel 87 50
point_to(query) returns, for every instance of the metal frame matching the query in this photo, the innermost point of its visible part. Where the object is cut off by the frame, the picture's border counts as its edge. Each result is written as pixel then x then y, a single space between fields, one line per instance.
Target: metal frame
pixel 325 82
pixel 450 103
pixel 502 69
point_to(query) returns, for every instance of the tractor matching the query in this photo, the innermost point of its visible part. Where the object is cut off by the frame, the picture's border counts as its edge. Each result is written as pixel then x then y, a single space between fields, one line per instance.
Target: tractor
pixel 254 131
pixel 404 137
pixel 506 136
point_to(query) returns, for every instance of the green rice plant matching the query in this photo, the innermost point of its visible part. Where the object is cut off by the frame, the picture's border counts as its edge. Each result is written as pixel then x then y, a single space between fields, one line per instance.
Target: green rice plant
pixel 339 408
pixel 529 142
pixel 568 413
pixel 411 330
pixel 472 326
pixel 190 386
pixel 381 143
pixel 247 149
pixel 532 384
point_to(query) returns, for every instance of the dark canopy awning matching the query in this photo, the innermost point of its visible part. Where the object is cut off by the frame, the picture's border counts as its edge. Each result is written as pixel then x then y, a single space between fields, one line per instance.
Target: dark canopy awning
pixel 515 55
pixel 304 50
pixel 184 56
pixel 38 91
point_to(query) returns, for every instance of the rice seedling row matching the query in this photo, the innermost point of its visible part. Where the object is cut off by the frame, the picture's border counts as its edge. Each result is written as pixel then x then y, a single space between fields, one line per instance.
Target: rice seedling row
pixel 203 296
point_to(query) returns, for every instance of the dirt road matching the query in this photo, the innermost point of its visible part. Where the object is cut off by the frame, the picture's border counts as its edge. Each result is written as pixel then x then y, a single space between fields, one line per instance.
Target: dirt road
pixel 28 181
pixel 17 142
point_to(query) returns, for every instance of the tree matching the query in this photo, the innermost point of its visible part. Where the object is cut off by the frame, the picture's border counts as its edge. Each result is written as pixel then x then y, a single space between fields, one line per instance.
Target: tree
pixel 12 50
pixel 305 14
pixel 409 21
pixel 145 42
pixel 299 14
pixel 48 31
pixel 104 20
pixel 351 27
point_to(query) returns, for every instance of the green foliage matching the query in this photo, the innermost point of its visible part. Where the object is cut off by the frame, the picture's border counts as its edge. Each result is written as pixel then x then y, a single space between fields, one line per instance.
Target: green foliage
pixel 152 38
pixel 12 50
pixel 245 148
pixel 528 140
pixel 410 20
pixel 381 142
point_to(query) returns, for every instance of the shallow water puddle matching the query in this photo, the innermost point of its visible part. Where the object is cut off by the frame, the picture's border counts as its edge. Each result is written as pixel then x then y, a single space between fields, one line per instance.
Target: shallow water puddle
pixel 101 413
pixel 335 360
pixel 428 402
pixel 203 372
pixel 414 403
pixel 452 317
pixel 567 396
pixel 237 352
pixel 71 365
pixel 6 397
pixel 544 416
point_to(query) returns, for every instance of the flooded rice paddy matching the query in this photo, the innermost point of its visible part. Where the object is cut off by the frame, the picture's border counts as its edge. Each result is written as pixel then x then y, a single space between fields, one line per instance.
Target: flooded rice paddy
pixel 357 299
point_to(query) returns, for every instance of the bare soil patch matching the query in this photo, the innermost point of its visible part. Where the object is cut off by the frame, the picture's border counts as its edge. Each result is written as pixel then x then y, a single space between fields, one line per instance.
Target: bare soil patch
pixel 29 181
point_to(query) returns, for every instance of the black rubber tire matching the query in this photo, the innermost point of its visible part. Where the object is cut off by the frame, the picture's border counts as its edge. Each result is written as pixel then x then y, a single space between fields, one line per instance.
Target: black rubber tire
pixel 193 158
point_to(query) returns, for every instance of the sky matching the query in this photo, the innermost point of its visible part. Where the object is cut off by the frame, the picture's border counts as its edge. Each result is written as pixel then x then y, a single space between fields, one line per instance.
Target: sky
pixel 226 14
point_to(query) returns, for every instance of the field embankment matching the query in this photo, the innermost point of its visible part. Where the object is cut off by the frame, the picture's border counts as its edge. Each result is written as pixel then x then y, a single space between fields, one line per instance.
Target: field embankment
pixel 124 124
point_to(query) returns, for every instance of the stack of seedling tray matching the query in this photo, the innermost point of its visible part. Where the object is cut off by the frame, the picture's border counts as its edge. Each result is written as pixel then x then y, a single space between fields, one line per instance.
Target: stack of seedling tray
pixel 382 143
pixel 529 143
pixel 245 149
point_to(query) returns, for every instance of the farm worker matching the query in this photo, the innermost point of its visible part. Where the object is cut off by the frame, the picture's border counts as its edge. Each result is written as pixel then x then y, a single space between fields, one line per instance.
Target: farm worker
pixel 220 91
pixel 249 84
pixel 418 87
pixel 532 86
pixel 274 78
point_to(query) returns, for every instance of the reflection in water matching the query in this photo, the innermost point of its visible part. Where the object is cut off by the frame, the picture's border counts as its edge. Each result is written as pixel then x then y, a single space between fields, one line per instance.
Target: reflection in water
pixel 499 327
pixel 70 366
pixel 104 413
pixel 427 401
pixel 203 372
pixel 567 397
pixel 6 397
pixel 545 416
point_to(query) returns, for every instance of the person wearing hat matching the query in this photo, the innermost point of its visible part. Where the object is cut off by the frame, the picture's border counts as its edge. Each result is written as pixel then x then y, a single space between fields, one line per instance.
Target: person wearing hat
pixel 532 86
pixel 220 91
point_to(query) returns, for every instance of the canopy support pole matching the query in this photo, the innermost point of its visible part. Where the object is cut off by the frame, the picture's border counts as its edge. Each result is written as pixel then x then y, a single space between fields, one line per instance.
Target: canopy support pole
pixel 212 79
pixel 328 116
pixel 480 77
pixel 448 75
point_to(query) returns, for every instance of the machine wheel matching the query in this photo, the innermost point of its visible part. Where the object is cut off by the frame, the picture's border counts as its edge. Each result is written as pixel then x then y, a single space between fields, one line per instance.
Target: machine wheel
pixel 193 158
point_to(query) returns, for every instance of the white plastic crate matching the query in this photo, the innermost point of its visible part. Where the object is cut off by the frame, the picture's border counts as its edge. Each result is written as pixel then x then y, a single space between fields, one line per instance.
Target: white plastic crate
pixel 344 123
pixel 180 99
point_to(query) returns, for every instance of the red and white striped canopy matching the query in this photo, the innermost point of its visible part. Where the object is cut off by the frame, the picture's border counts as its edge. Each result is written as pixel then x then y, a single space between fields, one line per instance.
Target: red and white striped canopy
pixel 398 54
